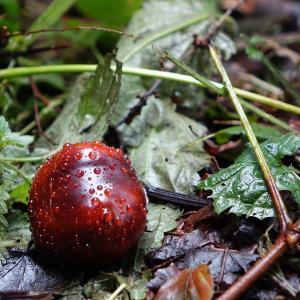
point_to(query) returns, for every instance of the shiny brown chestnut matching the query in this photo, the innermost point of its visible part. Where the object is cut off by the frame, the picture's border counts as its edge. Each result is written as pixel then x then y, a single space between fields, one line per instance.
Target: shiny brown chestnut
pixel 86 205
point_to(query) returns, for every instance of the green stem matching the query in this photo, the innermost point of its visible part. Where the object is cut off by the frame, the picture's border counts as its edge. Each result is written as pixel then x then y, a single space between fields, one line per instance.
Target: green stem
pixel 278 203
pixel 265 115
pixel 220 91
pixel 117 291
pixel 26 71
pixel 25 159
pixel 156 36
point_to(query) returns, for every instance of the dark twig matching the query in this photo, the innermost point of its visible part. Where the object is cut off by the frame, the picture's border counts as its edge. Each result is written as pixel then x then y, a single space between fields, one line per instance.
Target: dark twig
pixel 214 29
pixel 38 95
pixel 71 28
pixel 224 259
pixel 289 234
pixel 186 201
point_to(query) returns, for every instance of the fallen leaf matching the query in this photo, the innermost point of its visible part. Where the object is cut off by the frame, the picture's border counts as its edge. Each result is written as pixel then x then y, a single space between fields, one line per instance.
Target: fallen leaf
pixel 196 248
pixel 241 188
pixel 23 272
pixel 155 139
pixel 194 284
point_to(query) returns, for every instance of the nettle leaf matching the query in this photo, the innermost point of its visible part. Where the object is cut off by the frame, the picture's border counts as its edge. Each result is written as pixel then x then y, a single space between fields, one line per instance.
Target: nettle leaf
pixel 156 140
pixel 89 107
pixel 241 188
pixel 7 138
pixel 8 177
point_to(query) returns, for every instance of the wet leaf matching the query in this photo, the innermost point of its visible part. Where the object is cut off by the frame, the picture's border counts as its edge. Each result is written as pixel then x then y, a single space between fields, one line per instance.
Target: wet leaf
pixel 262 133
pixel 21 271
pixel 156 17
pixel 161 276
pixel 196 248
pixel 8 177
pixel 193 284
pixel 241 188
pixel 161 219
pixel 155 140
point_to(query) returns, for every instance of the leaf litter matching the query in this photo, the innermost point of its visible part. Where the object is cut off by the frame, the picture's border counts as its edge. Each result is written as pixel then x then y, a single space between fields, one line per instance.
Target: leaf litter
pixel 181 247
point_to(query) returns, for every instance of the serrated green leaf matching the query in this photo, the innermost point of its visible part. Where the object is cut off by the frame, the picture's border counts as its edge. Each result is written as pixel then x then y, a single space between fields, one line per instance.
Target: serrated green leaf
pixel 241 188
pixel 8 176
pixel 7 138
pixel 155 140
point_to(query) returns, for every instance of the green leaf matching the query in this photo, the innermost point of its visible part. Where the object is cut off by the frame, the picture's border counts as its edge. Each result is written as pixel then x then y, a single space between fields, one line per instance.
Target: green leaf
pixel 89 107
pixel 52 14
pixel 20 192
pixel 262 132
pixel 6 137
pixel 11 18
pixel 161 219
pixel 166 25
pixel 241 188
pixel 8 176
pixel 155 140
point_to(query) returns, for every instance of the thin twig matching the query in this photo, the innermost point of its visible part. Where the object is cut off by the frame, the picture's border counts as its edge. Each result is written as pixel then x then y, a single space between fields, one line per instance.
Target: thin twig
pixel 45 30
pixel 216 26
pixel 38 95
pixel 117 291
pixel 278 203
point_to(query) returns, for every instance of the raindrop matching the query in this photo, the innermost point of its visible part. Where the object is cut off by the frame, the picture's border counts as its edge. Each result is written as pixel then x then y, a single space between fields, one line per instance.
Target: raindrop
pixel 124 170
pixel 108 192
pixel 108 217
pixel 129 209
pixel 78 156
pixel 67 158
pixel 56 209
pixel 95 202
pixel 99 187
pixel 79 173
pixel 92 155
pixel 91 191
pixel 97 170
pixel 67 145
pixel 67 178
